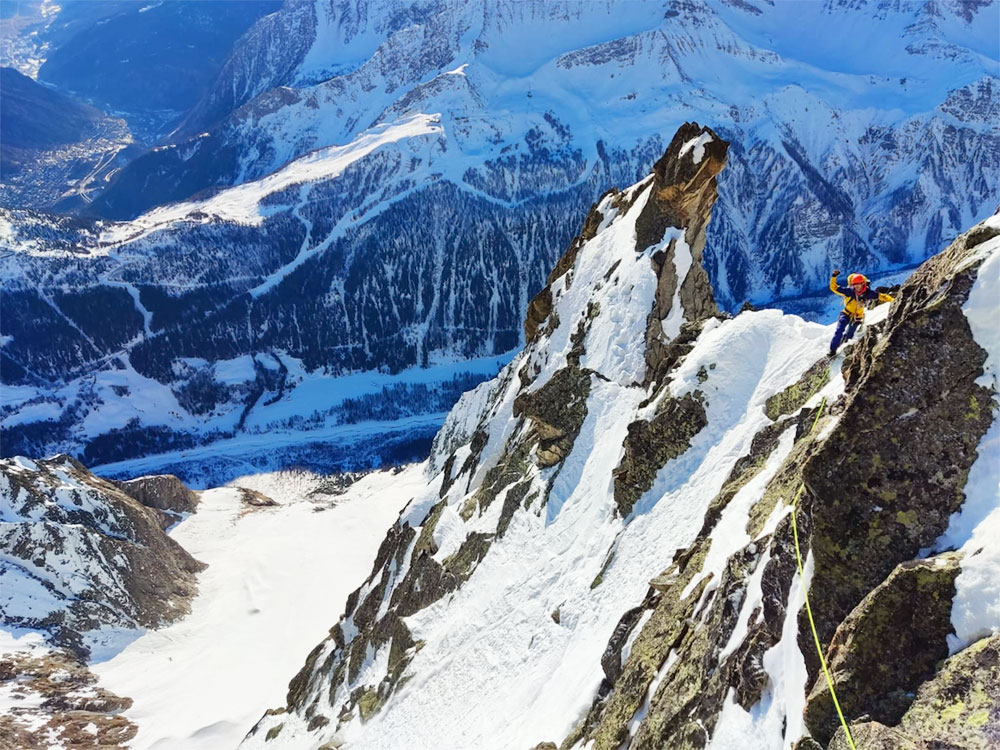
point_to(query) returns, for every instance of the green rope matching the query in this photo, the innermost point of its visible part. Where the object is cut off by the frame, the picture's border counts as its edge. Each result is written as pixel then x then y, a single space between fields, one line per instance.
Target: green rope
pixel 812 622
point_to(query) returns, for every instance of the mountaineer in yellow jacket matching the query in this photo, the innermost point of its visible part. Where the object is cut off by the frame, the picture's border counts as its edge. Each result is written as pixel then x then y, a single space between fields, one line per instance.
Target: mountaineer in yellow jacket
pixel 855 294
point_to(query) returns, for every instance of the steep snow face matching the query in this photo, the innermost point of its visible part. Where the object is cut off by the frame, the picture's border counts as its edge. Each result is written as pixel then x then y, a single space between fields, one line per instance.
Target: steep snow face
pixel 555 564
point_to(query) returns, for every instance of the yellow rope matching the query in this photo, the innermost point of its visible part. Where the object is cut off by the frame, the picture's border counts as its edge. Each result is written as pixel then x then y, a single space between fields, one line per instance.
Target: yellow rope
pixel 812 623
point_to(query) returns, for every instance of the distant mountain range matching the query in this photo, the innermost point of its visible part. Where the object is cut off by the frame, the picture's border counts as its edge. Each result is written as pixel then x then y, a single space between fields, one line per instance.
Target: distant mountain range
pixel 377 185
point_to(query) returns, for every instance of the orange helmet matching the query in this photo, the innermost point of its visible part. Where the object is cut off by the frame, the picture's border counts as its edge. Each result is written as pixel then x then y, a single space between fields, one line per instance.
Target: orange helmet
pixel 858 278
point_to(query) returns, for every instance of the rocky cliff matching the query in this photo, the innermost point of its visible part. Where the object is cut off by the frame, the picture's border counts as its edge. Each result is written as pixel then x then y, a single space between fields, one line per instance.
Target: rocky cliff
pixel 605 553
pixel 83 559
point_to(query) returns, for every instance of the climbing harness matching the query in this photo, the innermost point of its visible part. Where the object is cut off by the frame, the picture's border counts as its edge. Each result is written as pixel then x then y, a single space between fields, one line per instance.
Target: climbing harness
pixel 812 623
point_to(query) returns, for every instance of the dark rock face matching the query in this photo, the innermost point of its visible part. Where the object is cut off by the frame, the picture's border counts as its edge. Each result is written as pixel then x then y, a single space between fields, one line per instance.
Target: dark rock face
pixel 959 706
pixel 163 492
pixel 888 646
pixel 795 395
pixel 650 445
pixel 132 574
pixel 886 481
pixel 684 192
pixel 556 411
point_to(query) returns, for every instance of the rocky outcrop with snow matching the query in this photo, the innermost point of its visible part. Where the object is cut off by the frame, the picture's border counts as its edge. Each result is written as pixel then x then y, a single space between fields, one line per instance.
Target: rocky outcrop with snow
pixel 51 699
pixel 82 559
pixel 605 555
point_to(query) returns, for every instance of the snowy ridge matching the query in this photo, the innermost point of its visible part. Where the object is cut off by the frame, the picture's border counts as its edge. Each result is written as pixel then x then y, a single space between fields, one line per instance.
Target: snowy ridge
pixel 518 582
pixel 242 204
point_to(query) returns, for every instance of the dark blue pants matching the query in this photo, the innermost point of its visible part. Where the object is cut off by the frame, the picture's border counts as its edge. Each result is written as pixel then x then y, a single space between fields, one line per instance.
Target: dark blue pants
pixel 845 331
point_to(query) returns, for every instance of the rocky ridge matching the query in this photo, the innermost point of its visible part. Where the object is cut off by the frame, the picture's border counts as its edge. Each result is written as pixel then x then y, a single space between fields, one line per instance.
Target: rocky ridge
pixel 632 474
pixel 85 563
pixel 54 699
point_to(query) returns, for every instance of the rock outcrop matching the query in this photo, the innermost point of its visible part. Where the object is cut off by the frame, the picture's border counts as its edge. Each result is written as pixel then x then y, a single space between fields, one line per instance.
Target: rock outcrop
pixel 81 554
pixel 956 709
pixel 885 482
pixel 56 701
pixel 162 492
pixel 888 646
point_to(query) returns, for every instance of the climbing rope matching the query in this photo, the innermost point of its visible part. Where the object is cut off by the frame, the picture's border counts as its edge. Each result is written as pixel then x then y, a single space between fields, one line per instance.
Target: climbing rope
pixel 812 623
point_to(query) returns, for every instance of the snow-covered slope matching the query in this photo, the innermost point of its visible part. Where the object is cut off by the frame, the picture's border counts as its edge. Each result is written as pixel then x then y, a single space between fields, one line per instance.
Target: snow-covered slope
pixel 282 552
pixel 277 577
pixel 603 554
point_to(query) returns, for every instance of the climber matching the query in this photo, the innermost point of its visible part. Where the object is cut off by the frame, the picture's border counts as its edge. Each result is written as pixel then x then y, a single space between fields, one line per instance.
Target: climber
pixel 855 294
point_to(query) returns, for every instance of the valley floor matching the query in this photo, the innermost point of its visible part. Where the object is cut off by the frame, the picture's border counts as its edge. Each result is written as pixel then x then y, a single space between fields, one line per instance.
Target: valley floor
pixel 277 578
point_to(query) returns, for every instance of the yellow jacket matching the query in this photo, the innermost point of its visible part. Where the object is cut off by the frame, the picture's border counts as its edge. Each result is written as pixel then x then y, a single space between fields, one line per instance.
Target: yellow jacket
pixel 854 304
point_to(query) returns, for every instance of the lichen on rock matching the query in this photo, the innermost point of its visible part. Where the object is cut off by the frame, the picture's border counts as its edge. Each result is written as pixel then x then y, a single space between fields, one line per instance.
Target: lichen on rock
pixel 557 411
pixel 886 481
pixel 795 395
pixel 959 707
pixel 888 646
pixel 649 445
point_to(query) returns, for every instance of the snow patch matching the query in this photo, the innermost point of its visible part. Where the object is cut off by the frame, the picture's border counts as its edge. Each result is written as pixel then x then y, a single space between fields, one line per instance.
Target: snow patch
pixel 975 529
pixel 776 721
pixel 697 145
pixel 682 265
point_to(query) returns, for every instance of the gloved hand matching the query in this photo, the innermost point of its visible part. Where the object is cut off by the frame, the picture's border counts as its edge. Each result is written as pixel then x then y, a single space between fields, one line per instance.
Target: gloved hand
pixel 882 289
pixel 836 273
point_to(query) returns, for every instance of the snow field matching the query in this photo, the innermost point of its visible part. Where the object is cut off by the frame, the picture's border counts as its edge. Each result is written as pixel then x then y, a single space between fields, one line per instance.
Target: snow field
pixel 495 641
pixel 975 529
pixel 277 578
pixel 241 203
